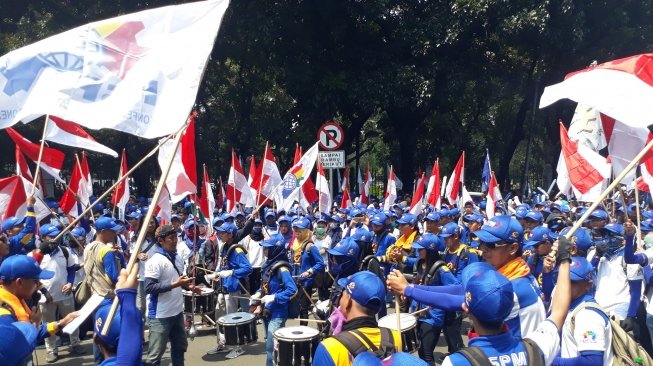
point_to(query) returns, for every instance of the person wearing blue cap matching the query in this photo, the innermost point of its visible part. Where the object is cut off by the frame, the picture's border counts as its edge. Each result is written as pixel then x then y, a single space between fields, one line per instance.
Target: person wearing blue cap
pixel 272 300
pixel 103 259
pixel 285 229
pixel 323 241
pixel 431 270
pixel 334 231
pixel 538 243
pixel 252 244
pixel 432 223
pixel 164 280
pixel 307 262
pixel 271 227
pixel 471 223
pixel 354 325
pixel 17 343
pixel 20 275
pixel 401 253
pixel 21 231
pixel 123 343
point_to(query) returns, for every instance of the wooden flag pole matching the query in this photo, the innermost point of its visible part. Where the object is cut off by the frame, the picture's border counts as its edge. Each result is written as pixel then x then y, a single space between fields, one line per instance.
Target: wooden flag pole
pixel 38 162
pixel 148 218
pixel 99 199
pixel 617 180
pixel 639 218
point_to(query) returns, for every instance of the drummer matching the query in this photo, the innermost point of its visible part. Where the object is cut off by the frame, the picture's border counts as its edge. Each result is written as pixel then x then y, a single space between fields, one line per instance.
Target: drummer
pixel 307 262
pixel 354 319
pixel 277 289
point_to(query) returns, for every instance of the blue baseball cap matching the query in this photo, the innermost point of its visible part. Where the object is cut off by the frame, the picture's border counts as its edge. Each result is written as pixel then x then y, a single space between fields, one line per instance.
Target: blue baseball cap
pixel 365 288
pixel 449 229
pixel 488 294
pixel 483 205
pixel 534 215
pixel 226 216
pixel 284 218
pixel 378 219
pixel 346 247
pixel 301 223
pixel 22 266
pixel 599 214
pixel 581 238
pixel 580 269
pixel 134 215
pixel 615 228
pixel 454 211
pixel 269 213
pixel 538 235
pixel 18 342
pixel 78 232
pixel 432 216
pixel 11 222
pixel 646 225
pixel 408 218
pixel 521 211
pixel 473 217
pixel 362 235
pixel 107 223
pixel 428 241
pixel 49 230
pixel 227 227
pixel 275 240
pixel 500 228
pixel 114 329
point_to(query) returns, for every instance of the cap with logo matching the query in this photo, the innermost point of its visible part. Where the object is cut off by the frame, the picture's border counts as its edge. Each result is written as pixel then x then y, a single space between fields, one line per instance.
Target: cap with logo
pixel 428 241
pixel 49 230
pixel 449 229
pixel 107 223
pixel 227 227
pixel 346 247
pixel 408 218
pixel 581 238
pixel 534 215
pixel 301 223
pixel 537 235
pixel 580 269
pixel 275 240
pixel 78 232
pixel 599 214
pixel 488 294
pixel 365 288
pixel 11 222
pixel 362 235
pixel 22 266
pixel 113 334
pixel 501 228
pixel 432 216
pixel 378 219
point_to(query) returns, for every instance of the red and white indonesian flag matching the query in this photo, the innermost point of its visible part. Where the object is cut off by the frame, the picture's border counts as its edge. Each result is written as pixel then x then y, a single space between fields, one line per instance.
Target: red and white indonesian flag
pixel 322 186
pixel 86 175
pixel 433 191
pixel 580 169
pixel 22 169
pixel 267 177
pixel 207 201
pixel 221 195
pixel 72 134
pixel 251 176
pixel 238 191
pixel 391 191
pixel 13 198
pixel 163 208
pixel 120 195
pixel 308 193
pixel 137 73
pixel 367 184
pixel 621 89
pixel 418 196
pixel 346 202
pixel 51 159
pixel 293 181
pixel 456 180
pixel 76 193
pixel 493 196
pixel 182 178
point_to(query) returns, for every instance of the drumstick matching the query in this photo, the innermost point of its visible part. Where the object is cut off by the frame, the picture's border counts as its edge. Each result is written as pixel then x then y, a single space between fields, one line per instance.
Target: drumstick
pixel 420 311
pixel 312 320
pixel 307 295
pixel 241 285
pixel 205 269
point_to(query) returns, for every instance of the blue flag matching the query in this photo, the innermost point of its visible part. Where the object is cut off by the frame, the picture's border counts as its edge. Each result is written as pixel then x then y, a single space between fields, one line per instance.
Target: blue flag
pixel 487 172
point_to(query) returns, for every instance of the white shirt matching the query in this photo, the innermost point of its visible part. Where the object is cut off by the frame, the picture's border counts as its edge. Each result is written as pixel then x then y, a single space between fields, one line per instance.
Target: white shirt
pixel 612 290
pixel 323 244
pixel 254 251
pixel 591 333
pixel 165 304
pixel 57 263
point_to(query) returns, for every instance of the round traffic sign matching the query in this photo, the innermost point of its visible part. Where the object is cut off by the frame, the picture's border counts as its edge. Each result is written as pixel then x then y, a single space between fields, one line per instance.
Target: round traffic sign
pixel 330 136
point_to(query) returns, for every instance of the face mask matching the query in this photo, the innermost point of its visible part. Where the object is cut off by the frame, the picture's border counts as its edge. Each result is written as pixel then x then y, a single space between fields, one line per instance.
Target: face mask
pixel 257 230
pixel 320 231
pixel 393 224
pixel 337 320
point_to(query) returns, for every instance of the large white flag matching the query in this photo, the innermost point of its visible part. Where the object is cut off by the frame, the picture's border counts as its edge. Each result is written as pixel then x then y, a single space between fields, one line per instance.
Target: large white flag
pixel 137 73
pixel 297 175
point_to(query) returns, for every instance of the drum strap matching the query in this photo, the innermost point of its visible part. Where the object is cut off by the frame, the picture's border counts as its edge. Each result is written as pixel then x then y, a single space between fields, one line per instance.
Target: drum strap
pixel 356 342
pixel 476 357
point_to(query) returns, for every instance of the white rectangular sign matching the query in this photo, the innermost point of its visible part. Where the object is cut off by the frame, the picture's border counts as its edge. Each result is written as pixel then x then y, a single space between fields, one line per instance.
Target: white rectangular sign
pixel 333 159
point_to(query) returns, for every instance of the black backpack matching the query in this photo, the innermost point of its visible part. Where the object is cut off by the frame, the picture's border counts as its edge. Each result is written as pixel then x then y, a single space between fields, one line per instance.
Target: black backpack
pixel 477 357
pixel 351 339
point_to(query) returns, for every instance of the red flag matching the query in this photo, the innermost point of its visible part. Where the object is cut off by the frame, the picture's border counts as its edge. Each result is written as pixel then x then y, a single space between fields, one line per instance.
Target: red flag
pixel 391 191
pixel 86 175
pixel 76 189
pixel 493 195
pixel 418 197
pixel 221 195
pixel 309 194
pixel 22 169
pixel 51 160
pixel 13 197
pixel 238 191
pixel 456 180
pixel 581 163
pixel 207 201
pixel 182 178
pixel 434 185
pixel 120 195
pixel 298 154
pixel 346 199
pixel 267 176
pixel 366 186
pixel 72 134
pixel 324 204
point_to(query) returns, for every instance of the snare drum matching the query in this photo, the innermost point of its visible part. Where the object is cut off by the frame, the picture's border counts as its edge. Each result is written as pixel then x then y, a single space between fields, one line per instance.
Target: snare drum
pixel 204 302
pixel 238 328
pixel 295 346
pixel 409 339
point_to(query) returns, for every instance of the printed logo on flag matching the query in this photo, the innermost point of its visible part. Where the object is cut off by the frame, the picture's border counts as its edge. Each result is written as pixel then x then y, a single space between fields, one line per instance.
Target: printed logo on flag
pixel 292 180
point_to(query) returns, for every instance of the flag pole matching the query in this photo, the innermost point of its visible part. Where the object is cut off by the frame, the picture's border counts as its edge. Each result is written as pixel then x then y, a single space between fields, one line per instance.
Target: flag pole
pixel 38 162
pixel 90 206
pixel 79 166
pixel 639 219
pixel 113 207
pixel 617 180
pixel 148 218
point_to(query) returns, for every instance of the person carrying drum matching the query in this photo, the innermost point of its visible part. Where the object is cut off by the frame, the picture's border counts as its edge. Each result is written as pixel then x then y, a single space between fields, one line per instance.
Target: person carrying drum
pixel 430 270
pixel 307 263
pixel 233 271
pixel 357 330
pixel 277 289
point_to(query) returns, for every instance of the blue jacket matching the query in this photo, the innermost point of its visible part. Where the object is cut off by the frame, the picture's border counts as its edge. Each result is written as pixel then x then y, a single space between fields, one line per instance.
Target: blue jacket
pixel 236 262
pixel 435 316
pixel 282 286
pixel 458 260
pixel 25 241
pixel 310 259
pixel 130 345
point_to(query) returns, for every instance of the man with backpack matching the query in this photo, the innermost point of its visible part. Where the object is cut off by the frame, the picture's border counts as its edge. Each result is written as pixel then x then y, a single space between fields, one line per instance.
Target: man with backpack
pixel 362 295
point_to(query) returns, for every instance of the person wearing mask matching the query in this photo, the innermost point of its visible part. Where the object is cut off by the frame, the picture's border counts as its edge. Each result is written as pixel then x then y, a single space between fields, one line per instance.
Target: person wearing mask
pixel 335 231
pixel 165 303
pixel 307 263
pixel 278 288
pixel 252 244
pixel 323 242
pixel 271 226
pixel 103 259
pixel 285 230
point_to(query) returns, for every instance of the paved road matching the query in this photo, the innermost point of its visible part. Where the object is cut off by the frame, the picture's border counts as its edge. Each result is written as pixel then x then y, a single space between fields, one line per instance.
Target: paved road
pixel 196 355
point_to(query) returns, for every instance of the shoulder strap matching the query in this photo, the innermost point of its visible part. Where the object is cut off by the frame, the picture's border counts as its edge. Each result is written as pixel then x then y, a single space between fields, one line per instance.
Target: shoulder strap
pixel 306 244
pixel 433 271
pixel 475 356
pixel 353 344
pixel 64 250
pixel 387 342
pixel 533 353
pixel 149 246
pixel 233 247
pixel 587 304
